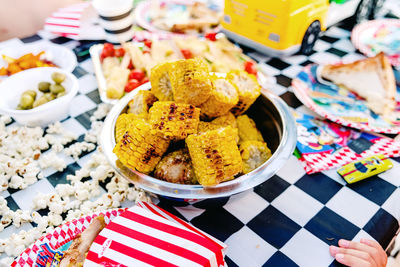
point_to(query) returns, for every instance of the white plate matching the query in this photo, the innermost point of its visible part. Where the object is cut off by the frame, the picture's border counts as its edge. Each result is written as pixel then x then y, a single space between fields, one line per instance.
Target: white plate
pixel 62 56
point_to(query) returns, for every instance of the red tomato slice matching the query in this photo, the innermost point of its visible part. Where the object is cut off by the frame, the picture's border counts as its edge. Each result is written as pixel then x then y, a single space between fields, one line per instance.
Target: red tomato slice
pixel 186 53
pixel 250 67
pixel 136 74
pixel 119 52
pixel 211 36
pixel 131 85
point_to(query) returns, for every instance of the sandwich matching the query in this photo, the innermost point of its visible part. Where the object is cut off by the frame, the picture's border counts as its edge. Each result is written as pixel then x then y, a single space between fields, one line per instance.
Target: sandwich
pixel 370 78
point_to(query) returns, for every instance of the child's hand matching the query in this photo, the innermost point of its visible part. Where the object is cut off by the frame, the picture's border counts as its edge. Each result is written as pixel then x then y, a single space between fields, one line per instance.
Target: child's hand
pixel 366 253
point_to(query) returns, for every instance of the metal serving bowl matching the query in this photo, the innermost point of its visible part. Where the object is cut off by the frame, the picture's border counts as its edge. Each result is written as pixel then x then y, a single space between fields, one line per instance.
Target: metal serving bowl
pixel 273 119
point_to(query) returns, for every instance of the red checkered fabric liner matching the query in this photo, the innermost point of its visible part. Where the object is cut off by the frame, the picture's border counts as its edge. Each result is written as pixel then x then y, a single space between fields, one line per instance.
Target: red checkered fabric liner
pixel 61 235
pixel 357 31
pixel 300 89
pixel 315 162
pixel 66 21
pixel 146 235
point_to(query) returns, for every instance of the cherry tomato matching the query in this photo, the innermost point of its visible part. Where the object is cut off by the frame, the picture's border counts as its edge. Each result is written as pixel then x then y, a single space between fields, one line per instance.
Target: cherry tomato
pixel 250 67
pixel 108 50
pixel 211 36
pixel 148 43
pixel 186 53
pixel 130 66
pixel 119 52
pixel 131 85
pixel 136 74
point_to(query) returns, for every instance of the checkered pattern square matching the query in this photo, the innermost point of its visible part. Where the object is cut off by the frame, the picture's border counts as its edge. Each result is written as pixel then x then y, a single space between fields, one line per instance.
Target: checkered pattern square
pixel 292 218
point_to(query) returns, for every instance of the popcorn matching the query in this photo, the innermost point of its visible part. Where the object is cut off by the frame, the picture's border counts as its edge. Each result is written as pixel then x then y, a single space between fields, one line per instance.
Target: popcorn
pixel 101 112
pixel 95 129
pixel 52 160
pixel 76 149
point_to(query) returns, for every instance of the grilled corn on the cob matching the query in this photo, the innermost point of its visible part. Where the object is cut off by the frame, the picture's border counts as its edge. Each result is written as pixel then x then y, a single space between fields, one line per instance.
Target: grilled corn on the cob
pixel 141 103
pixel 225 120
pixel 215 156
pixel 176 167
pixel 190 81
pixel 160 82
pixel 174 120
pixel 122 124
pixel 140 149
pixel 224 96
pixel 248 130
pixel 248 89
pixel 254 154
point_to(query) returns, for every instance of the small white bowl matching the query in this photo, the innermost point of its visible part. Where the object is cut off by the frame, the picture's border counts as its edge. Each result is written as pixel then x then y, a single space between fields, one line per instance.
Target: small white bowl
pixel 57 109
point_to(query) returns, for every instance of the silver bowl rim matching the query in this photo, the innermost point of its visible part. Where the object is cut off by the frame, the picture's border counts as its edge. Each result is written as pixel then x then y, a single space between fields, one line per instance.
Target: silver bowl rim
pixel 196 192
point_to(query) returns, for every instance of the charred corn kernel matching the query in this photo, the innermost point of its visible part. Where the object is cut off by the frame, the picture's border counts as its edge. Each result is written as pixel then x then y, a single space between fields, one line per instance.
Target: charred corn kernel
pixel 190 81
pixel 224 96
pixel 174 120
pixel 248 89
pixel 139 149
pixel 225 120
pixel 141 103
pixel 254 154
pixel 160 82
pixel 215 156
pixel 122 124
pixel 248 130
pixel 176 167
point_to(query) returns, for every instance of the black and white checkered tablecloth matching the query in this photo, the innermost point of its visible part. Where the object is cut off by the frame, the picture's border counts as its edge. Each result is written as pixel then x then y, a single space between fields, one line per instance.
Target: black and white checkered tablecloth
pixel 289 220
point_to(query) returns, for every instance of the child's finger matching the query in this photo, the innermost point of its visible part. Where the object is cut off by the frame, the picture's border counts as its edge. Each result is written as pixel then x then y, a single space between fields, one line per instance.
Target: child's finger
pixel 353 252
pixel 353 261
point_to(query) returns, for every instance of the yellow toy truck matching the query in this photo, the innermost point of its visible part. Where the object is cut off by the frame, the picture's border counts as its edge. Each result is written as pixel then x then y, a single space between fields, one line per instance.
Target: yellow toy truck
pixel 284 27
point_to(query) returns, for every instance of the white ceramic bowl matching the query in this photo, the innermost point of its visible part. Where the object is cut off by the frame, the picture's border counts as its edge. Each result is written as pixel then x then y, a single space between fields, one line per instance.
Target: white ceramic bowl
pixel 62 56
pixel 57 109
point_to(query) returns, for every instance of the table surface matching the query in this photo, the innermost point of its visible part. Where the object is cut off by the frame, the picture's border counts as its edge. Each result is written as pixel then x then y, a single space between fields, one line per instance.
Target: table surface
pixel 289 220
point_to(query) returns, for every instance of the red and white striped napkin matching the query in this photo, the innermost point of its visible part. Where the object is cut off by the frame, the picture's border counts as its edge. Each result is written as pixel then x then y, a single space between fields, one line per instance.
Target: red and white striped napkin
pixel 146 235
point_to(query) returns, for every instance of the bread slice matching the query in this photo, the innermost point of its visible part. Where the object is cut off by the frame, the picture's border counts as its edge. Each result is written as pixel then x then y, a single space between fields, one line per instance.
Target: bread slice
pixel 370 78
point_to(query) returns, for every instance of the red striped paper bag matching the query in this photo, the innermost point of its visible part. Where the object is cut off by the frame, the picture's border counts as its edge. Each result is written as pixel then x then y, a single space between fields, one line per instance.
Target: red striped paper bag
pixel 143 236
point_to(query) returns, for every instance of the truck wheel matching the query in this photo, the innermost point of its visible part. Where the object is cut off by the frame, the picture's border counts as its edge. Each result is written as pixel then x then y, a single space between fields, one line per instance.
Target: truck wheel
pixel 310 37
pixel 364 11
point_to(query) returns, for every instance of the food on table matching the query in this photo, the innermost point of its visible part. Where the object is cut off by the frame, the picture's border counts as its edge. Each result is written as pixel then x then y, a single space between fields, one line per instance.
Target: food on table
pixel 205 152
pixel 27 61
pixel 224 96
pixel 254 154
pixel 76 253
pixel 139 148
pixel 248 89
pixel 50 92
pixel 174 120
pixel 370 78
pixel 116 82
pixel 176 167
pixel 183 18
pixel 160 83
pixel 141 103
pixel 248 130
pixel 215 156
pixel 190 81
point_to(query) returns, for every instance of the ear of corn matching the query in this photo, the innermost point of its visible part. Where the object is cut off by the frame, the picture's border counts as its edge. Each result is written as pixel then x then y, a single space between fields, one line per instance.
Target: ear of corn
pixel 160 82
pixel 254 154
pixel 141 103
pixel 174 120
pixel 209 126
pixel 248 89
pixel 139 149
pixel 176 167
pixel 190 81
pixel 224 96
pixel 248 130
pixel 225 120
pixel 215 156
pixel 123 123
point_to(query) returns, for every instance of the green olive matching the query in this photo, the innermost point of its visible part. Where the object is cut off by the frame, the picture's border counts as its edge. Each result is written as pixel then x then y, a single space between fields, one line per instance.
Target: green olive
pixel 26 101
pixel 30 92
pixel 44 87
pixel 60 94
pixel 58 77
pixel 49 96
pixel 56 88
pixel 40 101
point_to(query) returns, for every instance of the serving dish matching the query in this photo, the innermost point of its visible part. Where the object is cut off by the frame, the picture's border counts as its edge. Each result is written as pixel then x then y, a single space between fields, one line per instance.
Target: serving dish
pixel 273 119
pixel 57 109
pixel 61 56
